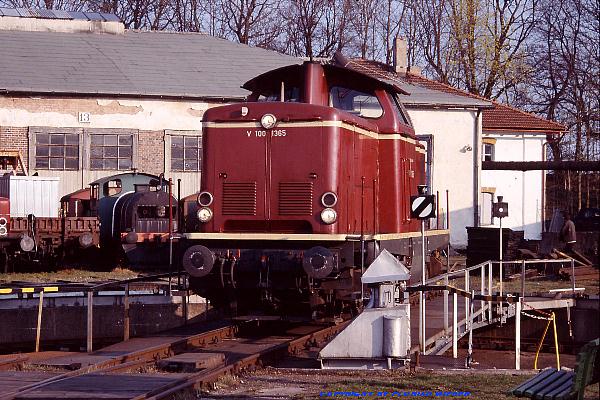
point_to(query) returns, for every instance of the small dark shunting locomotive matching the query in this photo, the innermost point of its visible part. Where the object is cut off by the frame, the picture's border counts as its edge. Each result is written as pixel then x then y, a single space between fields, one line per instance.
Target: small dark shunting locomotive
pixel 126 212
pixel 301 188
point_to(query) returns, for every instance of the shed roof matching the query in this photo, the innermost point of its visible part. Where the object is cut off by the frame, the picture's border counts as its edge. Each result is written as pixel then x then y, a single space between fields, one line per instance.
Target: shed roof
pixel 138 63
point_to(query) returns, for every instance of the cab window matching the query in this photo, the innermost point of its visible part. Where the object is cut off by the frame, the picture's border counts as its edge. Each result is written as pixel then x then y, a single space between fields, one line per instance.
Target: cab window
pixel 290 94
pixel 113 187
pixel 359 103
pixel 399 110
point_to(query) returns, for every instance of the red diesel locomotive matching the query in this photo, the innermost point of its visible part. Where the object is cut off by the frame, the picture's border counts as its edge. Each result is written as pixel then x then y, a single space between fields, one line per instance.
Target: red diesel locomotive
pixel 301 187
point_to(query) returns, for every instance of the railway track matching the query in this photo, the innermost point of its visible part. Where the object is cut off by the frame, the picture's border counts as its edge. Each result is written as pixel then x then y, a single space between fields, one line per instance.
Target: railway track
pixel 119 377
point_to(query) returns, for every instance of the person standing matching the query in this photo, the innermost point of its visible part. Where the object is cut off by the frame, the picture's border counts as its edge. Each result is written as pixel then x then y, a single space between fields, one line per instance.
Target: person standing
pixel 568 234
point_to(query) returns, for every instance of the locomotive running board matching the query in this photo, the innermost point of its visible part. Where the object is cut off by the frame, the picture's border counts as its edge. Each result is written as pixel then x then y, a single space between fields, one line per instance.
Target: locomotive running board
pixel 304 237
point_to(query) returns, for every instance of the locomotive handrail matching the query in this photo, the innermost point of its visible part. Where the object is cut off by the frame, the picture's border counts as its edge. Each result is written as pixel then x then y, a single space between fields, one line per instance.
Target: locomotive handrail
pixel 130 280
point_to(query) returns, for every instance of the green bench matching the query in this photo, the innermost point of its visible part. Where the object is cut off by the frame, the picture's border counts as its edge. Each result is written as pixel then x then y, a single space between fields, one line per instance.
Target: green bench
pixel 551 384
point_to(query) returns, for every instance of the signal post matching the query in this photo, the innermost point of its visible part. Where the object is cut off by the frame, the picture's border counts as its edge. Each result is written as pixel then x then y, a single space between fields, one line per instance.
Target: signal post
pixel 423 208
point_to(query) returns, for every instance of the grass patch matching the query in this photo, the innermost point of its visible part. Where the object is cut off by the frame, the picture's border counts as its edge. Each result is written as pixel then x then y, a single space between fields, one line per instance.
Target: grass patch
pixel 479 386
pixel 70 275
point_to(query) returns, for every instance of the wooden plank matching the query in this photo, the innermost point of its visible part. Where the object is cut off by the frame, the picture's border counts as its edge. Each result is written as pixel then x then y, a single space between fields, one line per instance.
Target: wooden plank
pixel 519 390
pixel 581 256
pixel 562 392
pixel 542 384
pixel 567 377
pixel 569 257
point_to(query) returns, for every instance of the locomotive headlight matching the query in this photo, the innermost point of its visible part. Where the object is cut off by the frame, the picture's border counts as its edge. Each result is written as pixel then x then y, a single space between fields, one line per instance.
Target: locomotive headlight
pixel 268 121
pixel 161 211
pixel 3 229
pixel 329 216
pixel 205 214
pixel 205 199
pixel 329 199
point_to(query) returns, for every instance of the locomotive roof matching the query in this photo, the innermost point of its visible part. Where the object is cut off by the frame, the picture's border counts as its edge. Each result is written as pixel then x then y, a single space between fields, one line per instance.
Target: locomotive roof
pixel 81 194
pixel 124 176
pixel 136 63
pixel 275 76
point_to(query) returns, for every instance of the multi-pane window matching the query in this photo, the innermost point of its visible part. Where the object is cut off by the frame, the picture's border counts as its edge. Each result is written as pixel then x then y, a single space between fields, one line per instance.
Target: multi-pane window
pixel 111 152
pixel 57 151
pixel 488 152
pixel 486 208
pixel 186 153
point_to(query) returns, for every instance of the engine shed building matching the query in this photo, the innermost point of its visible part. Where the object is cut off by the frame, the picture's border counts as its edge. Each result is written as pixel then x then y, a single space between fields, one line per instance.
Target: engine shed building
pixel 83 98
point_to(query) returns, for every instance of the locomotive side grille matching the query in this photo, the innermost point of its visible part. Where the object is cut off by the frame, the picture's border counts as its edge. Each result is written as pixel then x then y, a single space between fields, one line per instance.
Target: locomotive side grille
pixel 295 198
pixel 239 198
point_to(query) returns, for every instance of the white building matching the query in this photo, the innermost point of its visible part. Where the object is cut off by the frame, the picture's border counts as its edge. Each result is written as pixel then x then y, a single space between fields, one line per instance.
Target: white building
pixel 510 134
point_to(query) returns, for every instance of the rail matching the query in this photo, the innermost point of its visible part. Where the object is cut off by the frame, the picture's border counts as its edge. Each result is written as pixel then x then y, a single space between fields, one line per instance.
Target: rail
pixel 483 284
pixel 262 354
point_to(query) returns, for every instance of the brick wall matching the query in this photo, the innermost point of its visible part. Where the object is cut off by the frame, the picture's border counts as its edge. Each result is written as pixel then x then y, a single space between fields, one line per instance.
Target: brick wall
pixel 151 152
pixel 15 139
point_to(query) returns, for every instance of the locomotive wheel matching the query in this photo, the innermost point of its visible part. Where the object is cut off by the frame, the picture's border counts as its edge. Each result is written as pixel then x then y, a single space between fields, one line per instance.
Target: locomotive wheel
pixel 27 244
pixel 86 240
pixel 198 261
pixel 318 262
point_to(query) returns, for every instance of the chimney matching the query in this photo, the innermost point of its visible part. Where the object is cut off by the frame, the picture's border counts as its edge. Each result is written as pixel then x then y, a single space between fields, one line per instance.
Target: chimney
pixel 400 55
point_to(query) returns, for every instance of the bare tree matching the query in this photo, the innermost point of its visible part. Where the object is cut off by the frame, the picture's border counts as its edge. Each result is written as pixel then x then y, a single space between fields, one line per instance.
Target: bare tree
pixel 248 20
pixel 303 18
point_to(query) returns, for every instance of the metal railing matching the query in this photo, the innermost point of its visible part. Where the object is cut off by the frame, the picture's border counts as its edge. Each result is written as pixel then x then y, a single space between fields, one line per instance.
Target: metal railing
pixel 480 284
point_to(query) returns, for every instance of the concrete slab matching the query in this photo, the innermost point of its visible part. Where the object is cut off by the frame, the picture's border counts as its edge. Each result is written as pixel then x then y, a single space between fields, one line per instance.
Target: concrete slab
pixel 11 381
pixel 190 362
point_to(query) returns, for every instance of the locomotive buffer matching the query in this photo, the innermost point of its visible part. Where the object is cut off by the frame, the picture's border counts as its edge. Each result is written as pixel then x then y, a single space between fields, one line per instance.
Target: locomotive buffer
pixel 423 208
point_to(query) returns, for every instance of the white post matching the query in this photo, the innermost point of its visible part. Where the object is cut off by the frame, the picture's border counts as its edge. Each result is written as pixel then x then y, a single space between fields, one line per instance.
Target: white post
pixel 38 330
pixel 470 322
pixel 467 289
pixel 422 297
pixel 90 319
pixel 489 291
pixel 500 272
pixel 482 303
pixel 500 258
pixel 518 334
pixel 522 278
pixel 573 275
pixel 446 294
pixel 454 325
